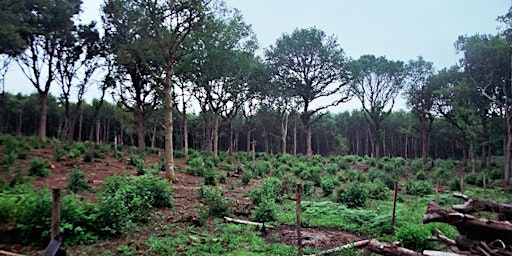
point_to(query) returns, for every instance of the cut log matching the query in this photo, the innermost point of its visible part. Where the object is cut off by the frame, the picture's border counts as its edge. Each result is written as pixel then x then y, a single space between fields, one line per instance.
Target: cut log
pixel 246 222
pixel 438 253
pixel 347 246
pixel 6 253
pixel 472 205
pixel 474 228
pixel 390 249
pixel 440 237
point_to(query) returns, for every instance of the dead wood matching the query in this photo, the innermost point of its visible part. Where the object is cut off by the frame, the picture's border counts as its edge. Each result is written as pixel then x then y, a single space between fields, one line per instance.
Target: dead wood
pixel 472 205
pixel 440 237
pixel 390 249
pixel 246 222
pixel 347 246
pixel 474 228
pixel 6 253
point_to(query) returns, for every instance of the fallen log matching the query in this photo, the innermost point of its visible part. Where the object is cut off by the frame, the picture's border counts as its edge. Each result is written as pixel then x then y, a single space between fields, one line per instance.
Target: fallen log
pixel 472 205
pixel 246 222
pixel 390 249
pixel 440 237
pixel 347 246
pixel 6 253
pixel 474 228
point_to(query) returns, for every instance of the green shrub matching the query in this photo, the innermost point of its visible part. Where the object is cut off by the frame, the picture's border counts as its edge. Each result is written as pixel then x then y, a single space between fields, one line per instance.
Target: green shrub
pixel 123 200
pixel 496 174
pixel 265 211
pixel 218 205
pixel 299 167
pixel 80 147
pixel 351 158
pixel 269 189
pixel 399 161
pixel 476 179
pixel 388 167
pixel 228 167
pixel 414 237
pixel 454 184
pixel 332 168
pixel 328 184
pixel 261 168
pixel 374 175
pixel 246 176
pixel 9 159
pixel 353 196
pixel 38 167
pixel 77 182
pixel 195 166
pixel 223 178
pixel 442 174
pixel 60 152
pixel 371 161
pixel 355 175
pixel 377 190
pixel 103 148
pixel 176 153
pixel 420 175
pixel 138 162
pixel 418 188
pixel 416 165
pixel 89 156
pixel 209 177
pixel 312 174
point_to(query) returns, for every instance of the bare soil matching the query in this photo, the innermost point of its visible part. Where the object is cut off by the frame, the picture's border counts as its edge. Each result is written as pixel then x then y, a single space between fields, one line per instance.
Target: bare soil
pixel 186 206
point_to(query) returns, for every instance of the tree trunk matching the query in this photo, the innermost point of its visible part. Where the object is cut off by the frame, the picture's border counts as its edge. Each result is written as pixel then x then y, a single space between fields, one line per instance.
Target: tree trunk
pixel 295 136
pixel 80 123
pixel 309 148
pixel 43 96
pixel 424 141
pixel 168 152
pixel 216 136
pixel 141 142
pixel 185 128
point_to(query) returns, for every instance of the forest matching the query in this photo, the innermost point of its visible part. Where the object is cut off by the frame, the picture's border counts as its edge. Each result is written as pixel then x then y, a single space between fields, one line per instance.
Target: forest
pixel 208 86
pixel 184 89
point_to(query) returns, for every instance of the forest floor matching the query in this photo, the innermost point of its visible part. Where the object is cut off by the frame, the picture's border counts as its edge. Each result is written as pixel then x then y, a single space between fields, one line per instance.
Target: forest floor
pixel 186 204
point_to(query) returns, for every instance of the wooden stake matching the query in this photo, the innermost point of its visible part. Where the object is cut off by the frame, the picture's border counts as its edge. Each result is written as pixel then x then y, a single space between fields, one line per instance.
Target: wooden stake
pixel 394 207
pixel 437 192
pixel 253 151
pixel 299 237
pixel 462 184
pixel 55 225
pixel 485 185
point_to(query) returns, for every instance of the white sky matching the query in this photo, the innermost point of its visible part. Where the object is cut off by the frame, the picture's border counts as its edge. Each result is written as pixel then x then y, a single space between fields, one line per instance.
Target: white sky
pixel 397 29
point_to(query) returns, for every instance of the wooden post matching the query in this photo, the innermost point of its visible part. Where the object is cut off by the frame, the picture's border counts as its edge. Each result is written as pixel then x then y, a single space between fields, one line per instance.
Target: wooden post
pixel 485 185
pixel 437 192
pixel 55 225
pixel 115 145
pixel 253 143
pixel 462 184
pixel 299 237
pixel 394 207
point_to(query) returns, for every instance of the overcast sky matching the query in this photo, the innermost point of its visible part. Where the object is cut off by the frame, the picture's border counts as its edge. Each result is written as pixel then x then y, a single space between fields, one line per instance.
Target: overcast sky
pixel 397 29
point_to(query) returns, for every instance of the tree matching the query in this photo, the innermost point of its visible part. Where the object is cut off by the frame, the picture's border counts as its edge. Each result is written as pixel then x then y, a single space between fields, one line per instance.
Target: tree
pixel 167 24
pixel 16 29
pixel 52 22
pixel 376 82
pixel 223 68
pixel 310 66
pixel 419 95
pixel 485 65
pixel 79 58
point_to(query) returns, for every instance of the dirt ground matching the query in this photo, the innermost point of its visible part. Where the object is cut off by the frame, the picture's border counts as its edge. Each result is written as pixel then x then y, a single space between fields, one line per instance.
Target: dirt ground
pixel 185 196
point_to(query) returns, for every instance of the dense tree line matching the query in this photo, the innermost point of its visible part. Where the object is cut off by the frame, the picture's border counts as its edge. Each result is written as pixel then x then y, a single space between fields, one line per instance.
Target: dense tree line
pixel 160 58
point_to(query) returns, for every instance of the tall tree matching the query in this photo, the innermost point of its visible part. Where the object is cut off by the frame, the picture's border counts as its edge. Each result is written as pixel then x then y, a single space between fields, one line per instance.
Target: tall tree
pixel 485 65
pixel 223 66
pixel 310 66
pixel 79 58
pixel 419 95
pixel 167 24
pixel 376 82
pixel 52 22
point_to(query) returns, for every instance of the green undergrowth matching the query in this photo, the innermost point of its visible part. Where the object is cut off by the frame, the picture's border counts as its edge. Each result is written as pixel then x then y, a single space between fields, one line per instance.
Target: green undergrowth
pixel 226 239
